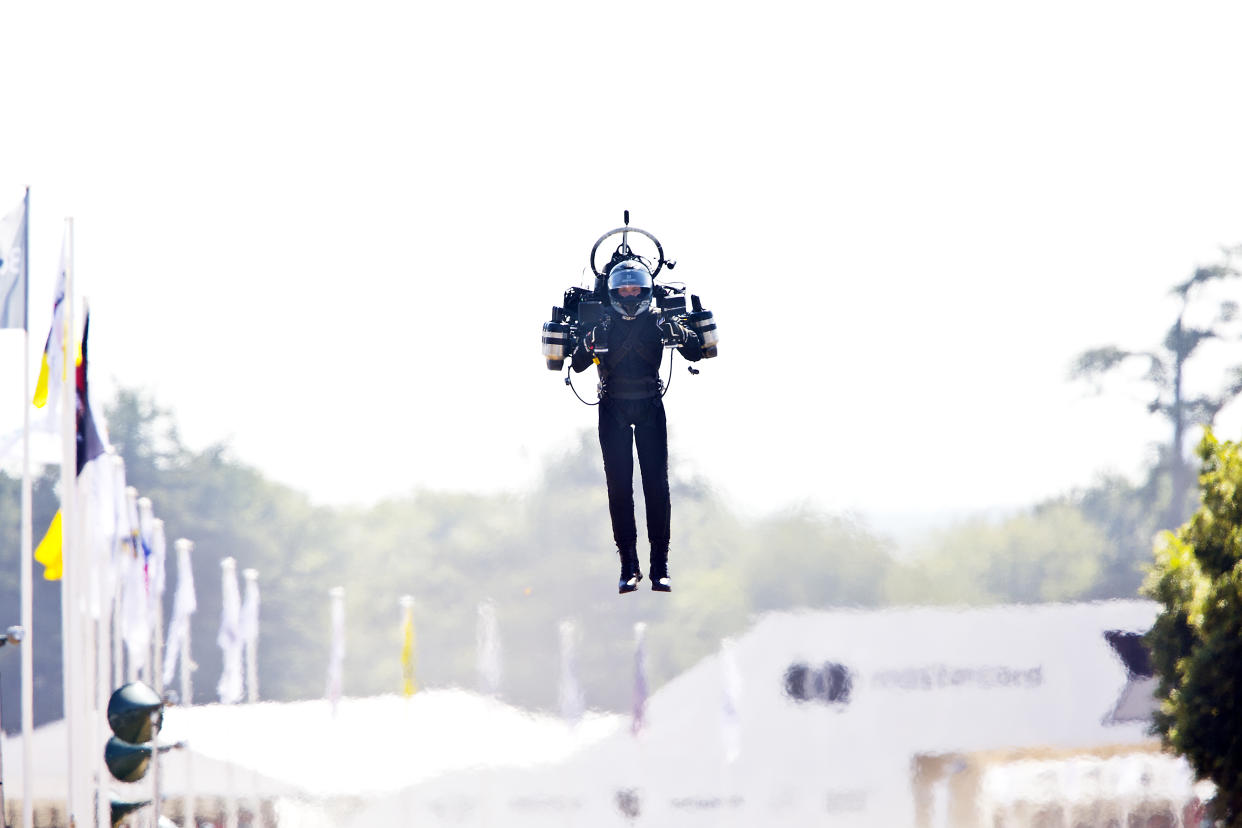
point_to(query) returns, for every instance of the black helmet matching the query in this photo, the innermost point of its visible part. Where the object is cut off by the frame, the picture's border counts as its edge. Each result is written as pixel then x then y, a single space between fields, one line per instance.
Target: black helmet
pixel 625 273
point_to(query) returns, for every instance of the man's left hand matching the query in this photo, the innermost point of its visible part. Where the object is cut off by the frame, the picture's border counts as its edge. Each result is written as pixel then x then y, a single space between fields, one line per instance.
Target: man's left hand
pixel 672 332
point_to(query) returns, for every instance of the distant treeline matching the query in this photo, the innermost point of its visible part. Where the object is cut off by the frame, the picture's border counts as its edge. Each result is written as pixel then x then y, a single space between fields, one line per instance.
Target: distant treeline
pixel 542 557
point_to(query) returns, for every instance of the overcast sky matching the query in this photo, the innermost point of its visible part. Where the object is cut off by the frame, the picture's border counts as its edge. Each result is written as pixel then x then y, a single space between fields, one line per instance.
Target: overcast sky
pixel 329 234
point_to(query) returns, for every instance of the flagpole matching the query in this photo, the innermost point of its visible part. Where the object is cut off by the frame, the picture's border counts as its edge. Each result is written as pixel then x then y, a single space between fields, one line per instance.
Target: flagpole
pixel 69 538
pixel 27 548
pixel 157 657
pixel 103 661
pixel 133 668
pixel 120 566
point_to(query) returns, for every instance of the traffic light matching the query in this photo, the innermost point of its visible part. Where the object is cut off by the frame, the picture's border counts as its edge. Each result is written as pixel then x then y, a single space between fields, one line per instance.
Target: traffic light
pixel 135 714
pixel 122 809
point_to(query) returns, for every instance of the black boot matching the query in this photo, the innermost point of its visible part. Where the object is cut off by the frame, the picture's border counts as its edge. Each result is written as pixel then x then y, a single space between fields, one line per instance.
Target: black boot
pixel 630 573
pixel 659 570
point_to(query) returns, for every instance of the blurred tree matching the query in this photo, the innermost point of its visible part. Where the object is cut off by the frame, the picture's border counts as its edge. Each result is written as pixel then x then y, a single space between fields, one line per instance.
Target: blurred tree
pixel 546 556
pixel 1166 367
pixel 1196 642
pixel 229 510
pixel 813 560
pixel 1051 553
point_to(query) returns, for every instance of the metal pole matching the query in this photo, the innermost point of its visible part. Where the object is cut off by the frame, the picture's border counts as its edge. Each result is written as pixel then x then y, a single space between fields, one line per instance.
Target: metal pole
pixel 133 671
pixel 14 635
pixel 155 765
pixel 120 547
pixel 4 814
pixel 157 654
pixel 230 797
pixel 27 554
pixel 102 680
pixel 71 572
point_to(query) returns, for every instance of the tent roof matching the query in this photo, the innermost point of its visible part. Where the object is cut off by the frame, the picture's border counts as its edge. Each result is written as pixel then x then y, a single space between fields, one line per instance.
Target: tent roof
pixel 304 750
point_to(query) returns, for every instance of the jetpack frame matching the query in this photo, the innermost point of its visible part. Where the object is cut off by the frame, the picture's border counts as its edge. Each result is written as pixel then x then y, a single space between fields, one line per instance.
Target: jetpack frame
pixel 583 308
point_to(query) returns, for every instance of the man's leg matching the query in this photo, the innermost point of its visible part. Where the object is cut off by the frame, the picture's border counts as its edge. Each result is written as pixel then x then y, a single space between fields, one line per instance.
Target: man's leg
pixel 616 442
pixel 651 436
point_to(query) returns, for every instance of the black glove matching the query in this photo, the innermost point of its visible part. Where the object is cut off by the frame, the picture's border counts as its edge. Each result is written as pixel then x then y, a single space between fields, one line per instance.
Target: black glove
pixel 596 340
pixel 673 332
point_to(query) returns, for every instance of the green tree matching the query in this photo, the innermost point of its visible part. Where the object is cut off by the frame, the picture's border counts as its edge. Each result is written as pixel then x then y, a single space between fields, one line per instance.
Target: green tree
pixel 1166 374
pixel 1196 642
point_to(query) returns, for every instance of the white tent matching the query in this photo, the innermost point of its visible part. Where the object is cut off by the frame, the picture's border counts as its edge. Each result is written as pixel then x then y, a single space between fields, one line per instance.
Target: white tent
pixel 310 766
pixel 920 681
pixel 824 721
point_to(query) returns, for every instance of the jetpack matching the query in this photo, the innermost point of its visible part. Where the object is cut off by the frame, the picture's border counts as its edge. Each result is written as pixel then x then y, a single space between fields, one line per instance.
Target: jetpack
pixel 584 308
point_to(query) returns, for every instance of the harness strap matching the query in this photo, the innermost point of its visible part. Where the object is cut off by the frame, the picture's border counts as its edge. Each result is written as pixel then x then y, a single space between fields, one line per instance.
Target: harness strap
pixel 629 345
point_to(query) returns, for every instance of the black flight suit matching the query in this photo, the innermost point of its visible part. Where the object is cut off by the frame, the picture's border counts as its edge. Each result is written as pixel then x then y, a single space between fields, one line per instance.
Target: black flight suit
pixel 631 412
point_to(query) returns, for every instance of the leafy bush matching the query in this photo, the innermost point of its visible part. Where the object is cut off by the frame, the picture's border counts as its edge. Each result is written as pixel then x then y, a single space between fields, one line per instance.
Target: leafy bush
pixel 1196 642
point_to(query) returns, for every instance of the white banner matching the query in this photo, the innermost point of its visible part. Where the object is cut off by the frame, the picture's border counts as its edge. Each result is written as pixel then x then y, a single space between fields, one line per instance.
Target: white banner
pixel 229 687
pixel 13 268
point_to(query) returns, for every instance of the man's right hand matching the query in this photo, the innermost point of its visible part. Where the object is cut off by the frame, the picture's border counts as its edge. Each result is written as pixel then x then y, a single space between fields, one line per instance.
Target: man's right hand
pixel 592 336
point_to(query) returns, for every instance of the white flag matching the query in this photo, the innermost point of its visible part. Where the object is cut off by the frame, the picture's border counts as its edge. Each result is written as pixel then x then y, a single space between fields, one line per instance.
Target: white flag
pixel 570 691
pixel 155 567
pixel 96 483
pixel 122 547
pixel 731 682
pixel 135 617
pixel 487 643
pixel 185 603
pixel 336 658
pixel 230 637
pixel 250 632
pixel 13 268
pixel 639 720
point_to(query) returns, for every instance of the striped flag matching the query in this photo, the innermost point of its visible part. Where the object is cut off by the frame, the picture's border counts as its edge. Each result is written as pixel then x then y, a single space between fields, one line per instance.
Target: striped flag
pixel 53 370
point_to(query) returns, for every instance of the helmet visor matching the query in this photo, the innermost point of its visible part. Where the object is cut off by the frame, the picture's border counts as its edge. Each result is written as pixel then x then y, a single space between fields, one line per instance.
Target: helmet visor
pixel 627 275
pixel 630 288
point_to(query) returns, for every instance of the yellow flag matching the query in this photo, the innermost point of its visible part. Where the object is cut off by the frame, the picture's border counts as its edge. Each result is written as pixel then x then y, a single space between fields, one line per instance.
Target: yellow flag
pixel 48 551
pixel 407 653
pixel 40 396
